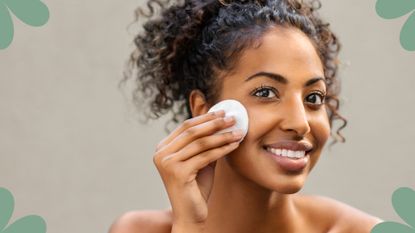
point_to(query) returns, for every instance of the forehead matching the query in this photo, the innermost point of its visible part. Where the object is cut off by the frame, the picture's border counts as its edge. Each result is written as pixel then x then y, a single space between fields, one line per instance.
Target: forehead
pixel 286 51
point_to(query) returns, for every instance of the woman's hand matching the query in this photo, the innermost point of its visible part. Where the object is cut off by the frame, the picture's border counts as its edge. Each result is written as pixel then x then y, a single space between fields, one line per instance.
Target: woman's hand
pixel 186 161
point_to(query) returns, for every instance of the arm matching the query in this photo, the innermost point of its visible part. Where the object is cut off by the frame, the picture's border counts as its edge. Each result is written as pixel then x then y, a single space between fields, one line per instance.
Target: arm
pixel 149 221
pixel 187 228
pixel 350 219
pixel 357 221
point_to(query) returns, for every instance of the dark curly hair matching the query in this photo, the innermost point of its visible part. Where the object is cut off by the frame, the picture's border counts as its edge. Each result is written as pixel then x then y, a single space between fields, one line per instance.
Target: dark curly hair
pixel 192 41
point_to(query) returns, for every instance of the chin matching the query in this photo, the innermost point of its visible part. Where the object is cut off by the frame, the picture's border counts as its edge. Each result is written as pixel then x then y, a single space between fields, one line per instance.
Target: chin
pixel 288 185
pixel 291 189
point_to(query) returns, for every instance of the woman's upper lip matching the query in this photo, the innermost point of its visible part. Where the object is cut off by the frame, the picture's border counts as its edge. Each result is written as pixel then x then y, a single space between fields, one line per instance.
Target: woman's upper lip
pixel 292 145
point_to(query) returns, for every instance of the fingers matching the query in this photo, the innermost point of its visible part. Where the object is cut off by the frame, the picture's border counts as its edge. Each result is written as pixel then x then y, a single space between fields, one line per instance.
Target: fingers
pixel 196 163
pixel 186 171
pixel 203 144
pixel 195 132
pixel 188 124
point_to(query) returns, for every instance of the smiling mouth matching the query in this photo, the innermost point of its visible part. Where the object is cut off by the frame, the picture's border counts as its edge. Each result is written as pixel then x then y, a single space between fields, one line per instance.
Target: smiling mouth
pixel 292 154
pixel 289 160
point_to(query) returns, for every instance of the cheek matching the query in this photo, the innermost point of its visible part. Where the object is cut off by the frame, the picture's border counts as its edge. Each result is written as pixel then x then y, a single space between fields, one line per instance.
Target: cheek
pixel 320 128
pixel 260 121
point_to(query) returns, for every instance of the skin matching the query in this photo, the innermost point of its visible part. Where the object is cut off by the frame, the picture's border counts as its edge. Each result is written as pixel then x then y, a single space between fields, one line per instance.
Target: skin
pixel 248 175
pixel 259 195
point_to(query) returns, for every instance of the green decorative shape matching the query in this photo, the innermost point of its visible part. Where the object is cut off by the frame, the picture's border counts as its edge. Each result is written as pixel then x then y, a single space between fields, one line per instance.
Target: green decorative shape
pixel 403 201
pixel 30 223
pixel 391 227
pixel 6 207
pixel 32 12
pixel 6 27
pixel 391 9
pixel 27 224
pixel 407 37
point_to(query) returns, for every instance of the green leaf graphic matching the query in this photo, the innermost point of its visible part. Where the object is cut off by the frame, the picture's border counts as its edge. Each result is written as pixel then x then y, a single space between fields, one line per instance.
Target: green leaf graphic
pixel 31 12
pixel 6 207
pixel 403 201
pixel 6 27
pixel 26 224
pixel 390 9
pixel 408 33
pixel 391 227
pixel 31 223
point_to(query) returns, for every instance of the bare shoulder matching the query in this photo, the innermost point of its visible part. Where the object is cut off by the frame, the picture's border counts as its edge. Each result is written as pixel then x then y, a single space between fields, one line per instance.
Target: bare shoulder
pixel 143 221
pixel 340 217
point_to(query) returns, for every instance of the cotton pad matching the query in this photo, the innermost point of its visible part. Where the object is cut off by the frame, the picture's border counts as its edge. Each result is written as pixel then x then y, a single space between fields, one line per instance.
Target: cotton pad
pixel 237 110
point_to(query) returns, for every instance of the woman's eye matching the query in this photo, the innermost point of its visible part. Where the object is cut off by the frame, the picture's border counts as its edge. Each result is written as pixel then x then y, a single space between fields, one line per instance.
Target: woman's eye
pixel 316 98
pixel 265 92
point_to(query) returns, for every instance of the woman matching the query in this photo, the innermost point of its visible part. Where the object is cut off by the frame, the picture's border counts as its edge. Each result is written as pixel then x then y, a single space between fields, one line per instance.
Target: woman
pixel 277 58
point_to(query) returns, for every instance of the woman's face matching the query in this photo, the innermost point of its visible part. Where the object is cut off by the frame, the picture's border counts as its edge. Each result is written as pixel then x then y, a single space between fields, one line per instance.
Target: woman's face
pixel 284 104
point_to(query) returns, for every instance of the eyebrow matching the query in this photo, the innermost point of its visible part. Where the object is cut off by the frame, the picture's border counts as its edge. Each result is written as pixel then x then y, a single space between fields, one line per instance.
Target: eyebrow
pixel 281 79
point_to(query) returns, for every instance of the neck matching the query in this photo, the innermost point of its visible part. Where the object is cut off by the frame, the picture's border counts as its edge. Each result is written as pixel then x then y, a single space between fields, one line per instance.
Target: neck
pixel 240 205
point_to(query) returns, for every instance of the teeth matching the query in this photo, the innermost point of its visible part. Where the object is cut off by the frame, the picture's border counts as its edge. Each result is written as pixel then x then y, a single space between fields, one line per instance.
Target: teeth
pixel 287 153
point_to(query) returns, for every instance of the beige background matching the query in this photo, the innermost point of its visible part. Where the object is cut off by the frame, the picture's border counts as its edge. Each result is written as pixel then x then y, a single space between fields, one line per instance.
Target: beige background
pixel 72 151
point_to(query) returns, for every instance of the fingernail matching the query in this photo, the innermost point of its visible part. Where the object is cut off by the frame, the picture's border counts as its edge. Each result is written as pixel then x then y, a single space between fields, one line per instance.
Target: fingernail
pixel 228 119
pixel 233 144
pixel 237 133
pixel 219 113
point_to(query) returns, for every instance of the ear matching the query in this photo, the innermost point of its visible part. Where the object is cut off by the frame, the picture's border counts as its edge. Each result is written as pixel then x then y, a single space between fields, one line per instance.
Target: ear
pixel 198 104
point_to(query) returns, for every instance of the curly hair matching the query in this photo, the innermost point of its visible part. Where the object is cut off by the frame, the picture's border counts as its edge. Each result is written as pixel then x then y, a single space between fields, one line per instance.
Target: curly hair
pixel 186 46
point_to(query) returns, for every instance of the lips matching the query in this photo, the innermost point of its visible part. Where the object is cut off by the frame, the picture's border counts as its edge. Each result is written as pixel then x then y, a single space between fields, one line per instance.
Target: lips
pixel 291 145
pixel 291 164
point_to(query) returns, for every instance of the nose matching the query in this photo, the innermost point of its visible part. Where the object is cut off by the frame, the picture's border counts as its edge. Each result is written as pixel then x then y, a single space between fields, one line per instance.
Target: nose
pixel 294 117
